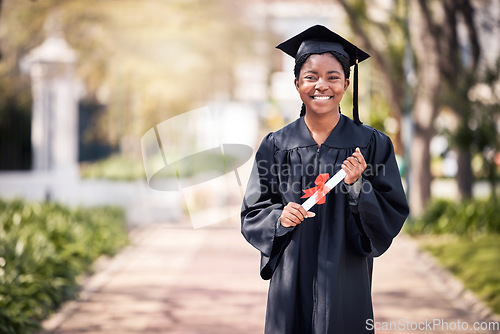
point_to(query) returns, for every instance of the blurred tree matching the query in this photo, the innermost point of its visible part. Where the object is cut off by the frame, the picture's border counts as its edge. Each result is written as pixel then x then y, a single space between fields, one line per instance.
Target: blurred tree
pixel 146 61
pixel 446 70
pixel 385 41
pixel 15 109
pixel 454 33
pixel 459 62
pixel 477 134
pixel 426 49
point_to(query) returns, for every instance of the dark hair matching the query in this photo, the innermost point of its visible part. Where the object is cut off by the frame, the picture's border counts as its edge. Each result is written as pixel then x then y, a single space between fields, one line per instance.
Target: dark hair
pixel 343 60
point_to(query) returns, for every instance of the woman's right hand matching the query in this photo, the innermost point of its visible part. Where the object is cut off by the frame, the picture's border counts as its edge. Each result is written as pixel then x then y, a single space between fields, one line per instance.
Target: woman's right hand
pixel 294 214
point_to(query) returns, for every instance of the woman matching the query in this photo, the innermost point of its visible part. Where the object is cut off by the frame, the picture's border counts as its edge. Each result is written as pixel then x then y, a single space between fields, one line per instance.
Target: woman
pixel 320 262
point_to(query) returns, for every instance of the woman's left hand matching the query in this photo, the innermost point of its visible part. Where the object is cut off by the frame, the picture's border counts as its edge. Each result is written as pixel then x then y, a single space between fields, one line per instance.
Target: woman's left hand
pixel 354 166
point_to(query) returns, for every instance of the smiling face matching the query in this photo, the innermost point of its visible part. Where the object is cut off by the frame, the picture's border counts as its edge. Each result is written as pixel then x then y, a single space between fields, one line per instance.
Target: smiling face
pixel 321 83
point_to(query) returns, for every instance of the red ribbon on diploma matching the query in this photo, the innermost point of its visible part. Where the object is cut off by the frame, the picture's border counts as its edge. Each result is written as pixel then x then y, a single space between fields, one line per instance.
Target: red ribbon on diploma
pixel 321 188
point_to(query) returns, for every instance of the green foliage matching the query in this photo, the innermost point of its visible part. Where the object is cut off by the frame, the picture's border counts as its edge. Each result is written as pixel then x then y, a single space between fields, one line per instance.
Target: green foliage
pixel 475 262
pixel 467 218
pixel 44 250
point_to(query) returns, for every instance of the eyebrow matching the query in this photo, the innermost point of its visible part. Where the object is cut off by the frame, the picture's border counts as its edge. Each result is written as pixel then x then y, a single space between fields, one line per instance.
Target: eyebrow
pixel 314 72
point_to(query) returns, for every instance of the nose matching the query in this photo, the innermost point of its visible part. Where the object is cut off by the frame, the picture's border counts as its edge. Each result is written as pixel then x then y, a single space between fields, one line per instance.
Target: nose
pixel 321 85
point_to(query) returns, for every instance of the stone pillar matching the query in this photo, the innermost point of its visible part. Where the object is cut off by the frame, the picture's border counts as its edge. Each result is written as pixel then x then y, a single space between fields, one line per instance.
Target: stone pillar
pixel 54 130
pixel 55 105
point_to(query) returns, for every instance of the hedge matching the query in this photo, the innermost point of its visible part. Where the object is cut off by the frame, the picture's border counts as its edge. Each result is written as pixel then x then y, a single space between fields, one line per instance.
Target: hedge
pixel 467 218
pixel 45 249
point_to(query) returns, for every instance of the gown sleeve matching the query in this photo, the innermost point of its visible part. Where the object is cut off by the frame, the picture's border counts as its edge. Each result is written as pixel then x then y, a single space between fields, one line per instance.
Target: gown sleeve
pixel 262 207
pixel 382 207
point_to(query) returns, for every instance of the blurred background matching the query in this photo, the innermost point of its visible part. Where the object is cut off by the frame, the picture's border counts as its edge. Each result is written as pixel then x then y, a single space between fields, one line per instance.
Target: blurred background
pixel 82 81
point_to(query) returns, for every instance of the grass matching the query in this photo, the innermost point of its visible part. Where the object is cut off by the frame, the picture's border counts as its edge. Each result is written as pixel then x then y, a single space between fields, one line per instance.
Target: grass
pixel 475 261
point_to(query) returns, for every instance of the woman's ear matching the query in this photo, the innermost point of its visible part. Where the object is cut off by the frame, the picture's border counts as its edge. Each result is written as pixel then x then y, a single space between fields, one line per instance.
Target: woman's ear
pixel 346 84
pixel 296 82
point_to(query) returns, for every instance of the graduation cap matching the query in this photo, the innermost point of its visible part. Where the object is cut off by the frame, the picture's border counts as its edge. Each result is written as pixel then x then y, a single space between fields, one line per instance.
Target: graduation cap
pixel 319 39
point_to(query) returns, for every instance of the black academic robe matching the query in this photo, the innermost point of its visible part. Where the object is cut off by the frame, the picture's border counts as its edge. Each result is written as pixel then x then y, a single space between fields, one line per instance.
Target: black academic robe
pixel 321 270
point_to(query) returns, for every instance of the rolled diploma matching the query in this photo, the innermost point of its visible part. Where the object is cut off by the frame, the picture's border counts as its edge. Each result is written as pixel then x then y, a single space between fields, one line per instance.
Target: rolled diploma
pixel 334 180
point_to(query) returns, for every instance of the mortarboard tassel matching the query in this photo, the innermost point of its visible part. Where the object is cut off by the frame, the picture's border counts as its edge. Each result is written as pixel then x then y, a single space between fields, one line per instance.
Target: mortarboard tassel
pixel 355 111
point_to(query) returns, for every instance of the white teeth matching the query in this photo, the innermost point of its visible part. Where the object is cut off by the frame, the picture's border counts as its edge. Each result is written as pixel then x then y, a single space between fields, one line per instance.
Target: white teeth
pixel 321 97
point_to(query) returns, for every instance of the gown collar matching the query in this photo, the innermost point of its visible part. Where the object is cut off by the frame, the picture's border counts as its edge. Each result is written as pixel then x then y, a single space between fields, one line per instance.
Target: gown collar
pixel 333 139
pixel 345 135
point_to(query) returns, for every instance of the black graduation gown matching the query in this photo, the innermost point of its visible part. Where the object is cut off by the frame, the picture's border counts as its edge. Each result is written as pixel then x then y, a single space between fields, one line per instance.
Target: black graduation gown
pixel 321 271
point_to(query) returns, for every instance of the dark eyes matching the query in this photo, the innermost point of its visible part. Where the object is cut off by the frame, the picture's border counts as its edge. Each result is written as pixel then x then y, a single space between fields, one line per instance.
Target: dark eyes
pixel 310 77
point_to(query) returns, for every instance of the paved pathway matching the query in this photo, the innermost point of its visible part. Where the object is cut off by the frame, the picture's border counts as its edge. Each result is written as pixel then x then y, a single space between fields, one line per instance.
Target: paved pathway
pixel 174 279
